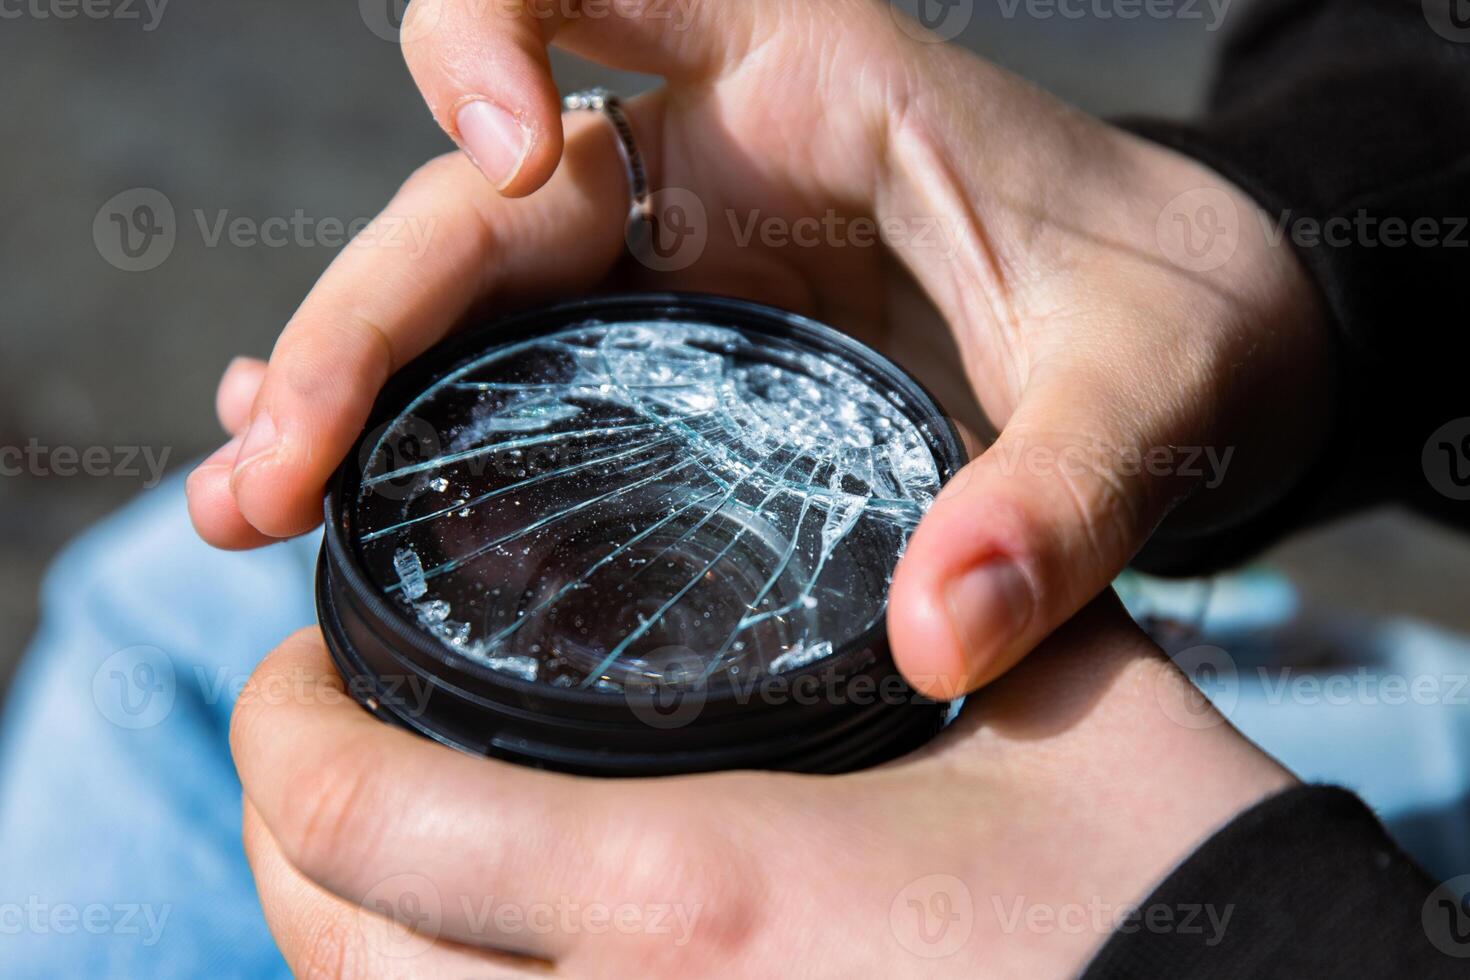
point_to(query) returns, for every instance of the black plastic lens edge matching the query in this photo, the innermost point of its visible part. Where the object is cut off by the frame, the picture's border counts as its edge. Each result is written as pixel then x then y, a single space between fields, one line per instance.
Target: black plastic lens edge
pixel 419 666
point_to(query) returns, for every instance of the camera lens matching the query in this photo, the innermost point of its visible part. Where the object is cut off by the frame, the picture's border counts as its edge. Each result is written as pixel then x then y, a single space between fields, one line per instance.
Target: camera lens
pixel 569 521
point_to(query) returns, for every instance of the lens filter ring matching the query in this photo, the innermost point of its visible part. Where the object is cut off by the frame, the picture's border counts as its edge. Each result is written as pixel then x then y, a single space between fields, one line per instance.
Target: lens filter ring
pixel 648 534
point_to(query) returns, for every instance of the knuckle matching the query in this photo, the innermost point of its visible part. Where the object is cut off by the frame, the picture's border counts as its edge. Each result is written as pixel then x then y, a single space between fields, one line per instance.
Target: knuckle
pixel 1072 499
pixel 699 873
pixel 309 359
pixel 1104 511
pixel 319 825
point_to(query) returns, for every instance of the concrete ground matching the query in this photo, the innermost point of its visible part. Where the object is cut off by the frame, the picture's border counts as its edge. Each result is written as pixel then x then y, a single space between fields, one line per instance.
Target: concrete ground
pixel 267 108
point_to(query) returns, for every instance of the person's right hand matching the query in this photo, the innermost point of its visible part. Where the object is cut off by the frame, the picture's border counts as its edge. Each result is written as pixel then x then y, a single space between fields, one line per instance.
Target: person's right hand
pixel 1073 786
pixel 1089 324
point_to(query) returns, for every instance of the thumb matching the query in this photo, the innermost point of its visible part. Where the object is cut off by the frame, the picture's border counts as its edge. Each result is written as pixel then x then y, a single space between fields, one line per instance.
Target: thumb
pixel 1018 542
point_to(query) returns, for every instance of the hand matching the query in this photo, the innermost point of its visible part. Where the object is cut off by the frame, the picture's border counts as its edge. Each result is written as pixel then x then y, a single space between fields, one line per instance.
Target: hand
pixel 1046 241
pixel 348 820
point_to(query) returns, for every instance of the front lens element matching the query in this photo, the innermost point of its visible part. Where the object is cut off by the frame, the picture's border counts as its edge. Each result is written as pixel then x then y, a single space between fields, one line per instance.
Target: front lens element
pixel 616 504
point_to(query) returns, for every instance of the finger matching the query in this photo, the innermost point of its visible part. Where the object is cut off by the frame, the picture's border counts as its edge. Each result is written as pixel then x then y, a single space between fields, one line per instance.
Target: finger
pixel 320 935
pixel 1021 540
pixel 236 393
pixel 212 506
pixel 357 805
pixel 211 502
pixel 483 69
pixel 444 244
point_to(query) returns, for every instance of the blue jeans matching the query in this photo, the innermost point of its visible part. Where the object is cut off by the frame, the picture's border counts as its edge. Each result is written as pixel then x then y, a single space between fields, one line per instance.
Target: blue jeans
pixel 120 810
pixel 119 807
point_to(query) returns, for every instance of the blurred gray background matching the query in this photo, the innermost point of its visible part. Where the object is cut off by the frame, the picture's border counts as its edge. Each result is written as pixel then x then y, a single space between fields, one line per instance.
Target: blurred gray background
pixel 267 108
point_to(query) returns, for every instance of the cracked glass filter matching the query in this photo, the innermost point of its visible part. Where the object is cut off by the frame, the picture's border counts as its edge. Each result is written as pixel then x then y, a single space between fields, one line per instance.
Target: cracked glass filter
pixel 625 503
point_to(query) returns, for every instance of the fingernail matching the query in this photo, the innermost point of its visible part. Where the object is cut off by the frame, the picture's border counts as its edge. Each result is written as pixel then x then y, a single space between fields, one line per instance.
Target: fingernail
pixel 988 605
pixel 495 141
pixel 223 456
pixel 260 440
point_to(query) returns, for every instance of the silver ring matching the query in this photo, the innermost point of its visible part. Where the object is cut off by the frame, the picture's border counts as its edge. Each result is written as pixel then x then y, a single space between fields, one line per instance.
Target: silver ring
pixel 640 210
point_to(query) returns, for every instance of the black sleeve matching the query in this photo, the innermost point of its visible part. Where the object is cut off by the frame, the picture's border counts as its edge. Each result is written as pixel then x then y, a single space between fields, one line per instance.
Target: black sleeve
pixel 1349 122
pixel 1305 884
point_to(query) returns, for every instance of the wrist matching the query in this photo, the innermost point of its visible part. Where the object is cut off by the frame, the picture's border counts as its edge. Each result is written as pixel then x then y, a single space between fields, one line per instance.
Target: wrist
pixel 1098 722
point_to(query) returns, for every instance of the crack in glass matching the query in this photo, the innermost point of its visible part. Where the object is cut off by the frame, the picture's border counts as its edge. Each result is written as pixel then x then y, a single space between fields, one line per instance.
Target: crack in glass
pixel 618 504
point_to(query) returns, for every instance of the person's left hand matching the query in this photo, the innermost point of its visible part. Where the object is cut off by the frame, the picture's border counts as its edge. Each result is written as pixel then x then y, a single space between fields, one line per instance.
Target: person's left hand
pixel 815 155
pixel 378 853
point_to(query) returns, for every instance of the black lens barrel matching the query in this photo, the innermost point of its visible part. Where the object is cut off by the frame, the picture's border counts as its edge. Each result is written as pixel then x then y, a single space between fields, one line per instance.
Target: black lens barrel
pixel 846 711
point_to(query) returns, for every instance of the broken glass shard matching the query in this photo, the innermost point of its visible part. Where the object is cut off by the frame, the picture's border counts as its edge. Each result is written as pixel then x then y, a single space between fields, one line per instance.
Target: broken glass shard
pixel 614 503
